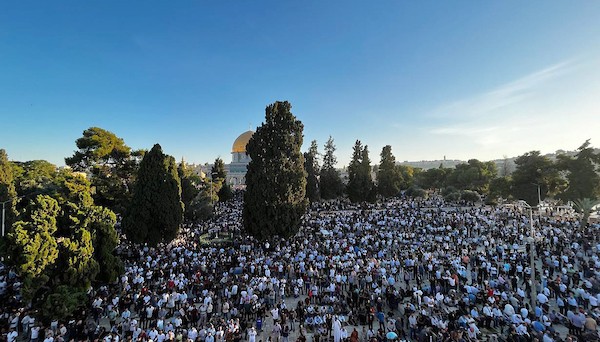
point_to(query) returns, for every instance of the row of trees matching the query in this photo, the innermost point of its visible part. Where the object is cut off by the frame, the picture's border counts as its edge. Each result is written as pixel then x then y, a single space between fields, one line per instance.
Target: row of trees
pixel 571 177
pixel 326 182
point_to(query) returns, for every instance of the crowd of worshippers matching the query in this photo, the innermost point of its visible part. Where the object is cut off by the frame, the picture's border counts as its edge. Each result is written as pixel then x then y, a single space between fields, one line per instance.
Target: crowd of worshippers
pixel 402 269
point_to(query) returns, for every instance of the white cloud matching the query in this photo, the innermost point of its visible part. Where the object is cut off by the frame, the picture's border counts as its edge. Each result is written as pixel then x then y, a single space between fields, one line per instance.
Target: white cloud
pixel 554 108
pixel 506 95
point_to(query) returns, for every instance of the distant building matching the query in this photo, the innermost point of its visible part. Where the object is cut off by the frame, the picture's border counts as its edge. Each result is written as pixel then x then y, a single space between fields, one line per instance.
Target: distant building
pixel 236 170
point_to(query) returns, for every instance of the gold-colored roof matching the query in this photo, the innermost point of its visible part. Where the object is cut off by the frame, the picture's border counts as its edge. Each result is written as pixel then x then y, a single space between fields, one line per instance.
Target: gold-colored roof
pixel 239 145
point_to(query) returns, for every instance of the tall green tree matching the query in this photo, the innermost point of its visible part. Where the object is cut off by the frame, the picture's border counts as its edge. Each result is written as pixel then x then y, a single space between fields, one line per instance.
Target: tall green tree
pixel 500 188
pixel 85 233
pixel 583 179
pixel 473 175
pixel 201 207
pixel 407 176
pixel 330 182
pixel 219 176
pixel 8 192
pixel 63 243
pixel 360 184
pixel 32 247
pixel 275 197
pixel 76 260
pixel 389 178
pixel 110 163
pixel 105 240
pixel 433 178
pixel 311 166
pixel 533 169
pixel 62 301
pixel 156 211
pixel 190 185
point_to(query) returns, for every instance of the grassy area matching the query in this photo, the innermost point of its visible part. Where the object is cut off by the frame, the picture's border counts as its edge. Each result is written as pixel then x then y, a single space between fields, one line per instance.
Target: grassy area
pixel 222 239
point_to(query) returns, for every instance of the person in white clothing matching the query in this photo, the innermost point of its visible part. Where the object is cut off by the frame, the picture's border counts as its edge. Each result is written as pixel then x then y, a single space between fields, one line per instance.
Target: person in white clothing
pixel 252 334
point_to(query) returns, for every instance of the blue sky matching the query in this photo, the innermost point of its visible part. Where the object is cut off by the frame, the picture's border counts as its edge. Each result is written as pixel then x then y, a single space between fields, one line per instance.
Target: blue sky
pixel 461 79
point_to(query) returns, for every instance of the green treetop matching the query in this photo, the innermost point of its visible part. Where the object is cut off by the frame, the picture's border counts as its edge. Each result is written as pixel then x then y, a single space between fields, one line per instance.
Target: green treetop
pixel 275 201
pixel 155 213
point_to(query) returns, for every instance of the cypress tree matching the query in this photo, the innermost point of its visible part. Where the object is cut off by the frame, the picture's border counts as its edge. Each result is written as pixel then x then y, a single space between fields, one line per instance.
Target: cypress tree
pixel 274 201
pixel 156 211
pixel 220 177
pixel 311 166
pixel 360 185
pixel 389 178
pixel 330 184
pixel 370 192
pixel 354 188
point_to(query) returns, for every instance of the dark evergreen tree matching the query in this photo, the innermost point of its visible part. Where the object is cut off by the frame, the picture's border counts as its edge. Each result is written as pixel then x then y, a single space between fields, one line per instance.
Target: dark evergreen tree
pixel 365 170
pixel 156 211
pixel 201 207
pixel 500 188
pixel 311 166
pixel 219 176
pixel 76 262
pixel 330 182
pixel 218 170
pixel 389 178
pixel 532 170
pixel 275 201
pixel 360 184
pixel 62 301
pixel 105 240
pixel 582 174
pixel 8 192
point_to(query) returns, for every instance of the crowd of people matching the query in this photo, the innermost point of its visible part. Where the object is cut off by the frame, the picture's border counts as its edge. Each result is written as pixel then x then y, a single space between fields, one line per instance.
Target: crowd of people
pixel 401 269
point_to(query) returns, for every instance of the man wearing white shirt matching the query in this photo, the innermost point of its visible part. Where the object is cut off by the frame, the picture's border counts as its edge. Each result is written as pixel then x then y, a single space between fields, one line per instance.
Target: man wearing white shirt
pixel 35 333
pixel 488 315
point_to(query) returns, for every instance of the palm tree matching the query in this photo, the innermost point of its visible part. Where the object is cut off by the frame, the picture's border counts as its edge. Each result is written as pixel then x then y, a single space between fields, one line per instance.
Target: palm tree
pixel 584 206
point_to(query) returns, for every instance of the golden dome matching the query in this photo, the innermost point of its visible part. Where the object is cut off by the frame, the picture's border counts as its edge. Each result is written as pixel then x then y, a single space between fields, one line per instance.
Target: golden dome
pixel 239 145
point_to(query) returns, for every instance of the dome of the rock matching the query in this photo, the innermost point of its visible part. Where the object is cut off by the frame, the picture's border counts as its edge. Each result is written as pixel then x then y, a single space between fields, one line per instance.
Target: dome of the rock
pixel 239 145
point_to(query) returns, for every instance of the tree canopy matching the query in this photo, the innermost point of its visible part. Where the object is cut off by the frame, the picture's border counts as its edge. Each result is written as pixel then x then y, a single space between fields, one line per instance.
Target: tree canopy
pixel 155 213
pixel 311 166
pixel 534 170
pixel 275 200
pixel 330 182
pixel 8 192
pixel 583 179
pixel 360 186
pixel 389 176
pixel 110 163
pixel 219 177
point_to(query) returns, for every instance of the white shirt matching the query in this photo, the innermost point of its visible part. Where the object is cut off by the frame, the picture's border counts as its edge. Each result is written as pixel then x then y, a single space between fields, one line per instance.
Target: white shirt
pixel 12 336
